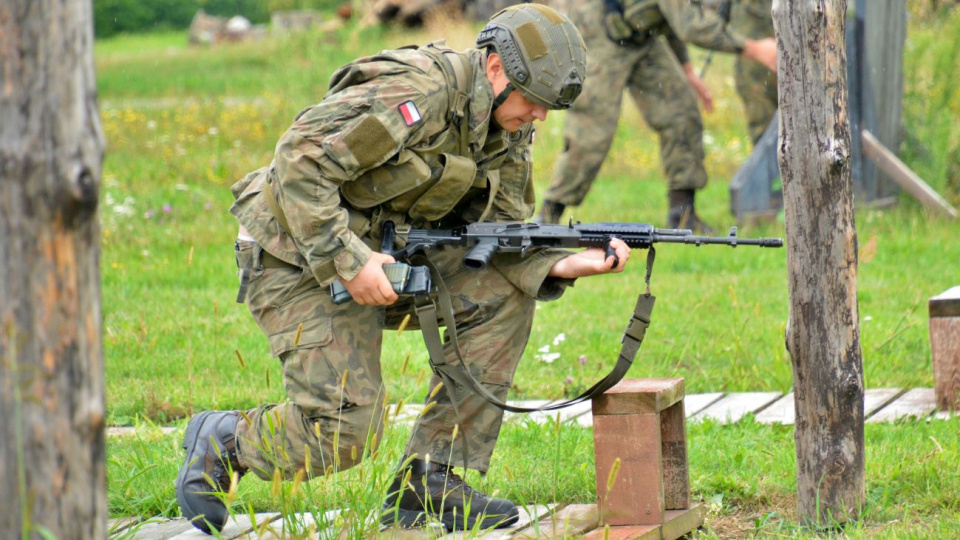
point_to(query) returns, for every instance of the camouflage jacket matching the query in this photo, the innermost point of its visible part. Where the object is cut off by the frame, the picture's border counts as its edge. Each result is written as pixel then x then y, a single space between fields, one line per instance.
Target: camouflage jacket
pixel 752 18
pixel 686 19
pixel 382 144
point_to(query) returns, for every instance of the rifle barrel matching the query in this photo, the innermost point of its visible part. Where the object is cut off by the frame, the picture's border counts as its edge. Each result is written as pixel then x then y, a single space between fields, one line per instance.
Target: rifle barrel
pixel 732 241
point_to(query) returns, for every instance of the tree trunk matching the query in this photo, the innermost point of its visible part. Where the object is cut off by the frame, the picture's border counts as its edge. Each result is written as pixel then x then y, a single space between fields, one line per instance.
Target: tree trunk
pixel 823 333
pixel 52 458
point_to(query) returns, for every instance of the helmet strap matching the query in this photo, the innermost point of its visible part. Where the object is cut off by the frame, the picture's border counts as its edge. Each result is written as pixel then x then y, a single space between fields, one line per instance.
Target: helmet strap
pixel 503 95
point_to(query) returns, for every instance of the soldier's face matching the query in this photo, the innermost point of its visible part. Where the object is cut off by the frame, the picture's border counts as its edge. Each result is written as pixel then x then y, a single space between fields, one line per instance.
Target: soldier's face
pixel 517 110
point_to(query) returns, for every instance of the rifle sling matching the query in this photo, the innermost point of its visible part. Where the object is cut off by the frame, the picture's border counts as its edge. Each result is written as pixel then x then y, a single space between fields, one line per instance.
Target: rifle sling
pixel 460 374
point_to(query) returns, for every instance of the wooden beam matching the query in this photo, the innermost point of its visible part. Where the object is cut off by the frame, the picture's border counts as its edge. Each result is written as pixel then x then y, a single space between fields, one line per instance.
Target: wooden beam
pixel 898 171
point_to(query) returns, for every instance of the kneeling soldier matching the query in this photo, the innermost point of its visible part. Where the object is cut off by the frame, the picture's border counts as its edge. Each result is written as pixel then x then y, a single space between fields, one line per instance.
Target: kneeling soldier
pixel 427 137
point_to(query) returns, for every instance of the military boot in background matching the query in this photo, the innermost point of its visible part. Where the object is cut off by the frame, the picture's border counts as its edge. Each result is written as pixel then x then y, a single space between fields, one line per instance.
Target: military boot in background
pixel 211 459
pixel 434 490
pixel 550 212
pixel 682 213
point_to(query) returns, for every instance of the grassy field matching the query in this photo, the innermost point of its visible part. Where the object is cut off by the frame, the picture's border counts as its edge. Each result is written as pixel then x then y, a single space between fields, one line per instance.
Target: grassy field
pixel 183 124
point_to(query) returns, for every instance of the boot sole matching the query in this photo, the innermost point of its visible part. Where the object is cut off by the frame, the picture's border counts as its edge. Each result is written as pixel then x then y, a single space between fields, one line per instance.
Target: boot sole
pixel 190 440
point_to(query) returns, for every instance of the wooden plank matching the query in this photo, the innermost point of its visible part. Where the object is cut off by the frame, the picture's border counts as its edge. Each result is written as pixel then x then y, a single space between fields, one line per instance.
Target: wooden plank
pixel 127 431
pixel 676 476
pixel 695 403
pixel 569 522
pixel 237 526
pixel 918 402
pixel 160 528
pixel 946 304
pixel 639 396
pixel 904 176
pixel 529 404
pixel 294 525
pixel 624 532
pixel 404 415
pixel 732 407
pixel 945 348
pixel 527 516
pixel 782 411
pixel 431 531
pixel 636 494
pixel 877 398
pixel 678 523
pixel 116 525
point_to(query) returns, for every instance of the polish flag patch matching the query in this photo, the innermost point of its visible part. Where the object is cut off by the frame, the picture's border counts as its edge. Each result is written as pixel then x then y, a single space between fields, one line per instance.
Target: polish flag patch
pixel 411 116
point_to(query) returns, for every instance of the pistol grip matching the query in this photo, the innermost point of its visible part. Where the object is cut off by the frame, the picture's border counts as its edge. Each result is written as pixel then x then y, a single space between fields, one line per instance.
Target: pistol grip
pixel 610 252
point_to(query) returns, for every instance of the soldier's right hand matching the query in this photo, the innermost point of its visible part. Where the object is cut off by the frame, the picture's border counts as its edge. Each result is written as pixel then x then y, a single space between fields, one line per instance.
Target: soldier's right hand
pixel 371 287
pixel 763 51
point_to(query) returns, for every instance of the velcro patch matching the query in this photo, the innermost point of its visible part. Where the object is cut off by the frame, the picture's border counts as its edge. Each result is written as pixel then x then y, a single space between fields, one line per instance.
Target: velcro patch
pixel 369 142
pixel 410 113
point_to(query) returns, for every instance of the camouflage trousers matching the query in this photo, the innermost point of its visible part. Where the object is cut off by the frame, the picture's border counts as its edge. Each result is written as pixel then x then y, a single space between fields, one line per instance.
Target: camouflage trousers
pixel 655 80
pixel 331 365
pixel 756 85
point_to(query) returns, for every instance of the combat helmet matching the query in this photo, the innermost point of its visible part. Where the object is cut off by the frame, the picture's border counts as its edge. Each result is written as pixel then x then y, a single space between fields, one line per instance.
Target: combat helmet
pixel 543 55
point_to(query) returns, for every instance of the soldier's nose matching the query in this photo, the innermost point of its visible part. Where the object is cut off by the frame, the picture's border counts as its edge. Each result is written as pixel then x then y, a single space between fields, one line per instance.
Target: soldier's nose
pixel 540 113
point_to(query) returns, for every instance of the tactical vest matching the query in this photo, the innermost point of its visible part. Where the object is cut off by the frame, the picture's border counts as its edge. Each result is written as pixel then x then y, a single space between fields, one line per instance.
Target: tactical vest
pixel 428 182
pixel 632 22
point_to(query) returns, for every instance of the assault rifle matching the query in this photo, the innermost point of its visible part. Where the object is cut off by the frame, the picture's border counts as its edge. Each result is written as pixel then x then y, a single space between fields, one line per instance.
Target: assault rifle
pixel 486 239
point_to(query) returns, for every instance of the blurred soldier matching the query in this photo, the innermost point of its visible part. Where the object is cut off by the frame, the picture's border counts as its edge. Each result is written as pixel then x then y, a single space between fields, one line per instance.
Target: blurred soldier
pixel 625 52
pixel 427 137
pixel 756 85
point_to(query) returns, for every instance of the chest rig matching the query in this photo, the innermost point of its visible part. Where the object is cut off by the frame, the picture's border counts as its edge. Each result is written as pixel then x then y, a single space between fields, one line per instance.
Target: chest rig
pixel 436 179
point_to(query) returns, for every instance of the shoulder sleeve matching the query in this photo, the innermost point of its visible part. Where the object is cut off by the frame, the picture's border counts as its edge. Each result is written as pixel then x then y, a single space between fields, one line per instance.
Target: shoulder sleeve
pixel 350 132
pixel 701 27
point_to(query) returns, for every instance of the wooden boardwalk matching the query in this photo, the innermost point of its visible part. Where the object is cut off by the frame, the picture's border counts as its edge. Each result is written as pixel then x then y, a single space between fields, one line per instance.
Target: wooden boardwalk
pixel 571 521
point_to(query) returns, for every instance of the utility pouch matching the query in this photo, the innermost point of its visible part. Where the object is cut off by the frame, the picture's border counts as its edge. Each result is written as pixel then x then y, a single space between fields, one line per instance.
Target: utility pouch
pixel 456 179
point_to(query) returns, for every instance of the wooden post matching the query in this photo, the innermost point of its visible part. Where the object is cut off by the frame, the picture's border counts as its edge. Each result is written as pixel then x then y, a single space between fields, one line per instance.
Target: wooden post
pixel 822 334
pixel 643 484
pixel 52 448
pixel 945 348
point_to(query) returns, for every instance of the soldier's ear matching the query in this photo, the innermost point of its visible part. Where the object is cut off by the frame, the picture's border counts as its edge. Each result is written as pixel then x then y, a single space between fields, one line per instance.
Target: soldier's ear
pixel 495 73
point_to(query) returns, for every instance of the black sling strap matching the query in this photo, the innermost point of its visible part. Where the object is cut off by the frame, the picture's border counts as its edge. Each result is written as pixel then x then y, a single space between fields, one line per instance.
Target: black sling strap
pixel 460 374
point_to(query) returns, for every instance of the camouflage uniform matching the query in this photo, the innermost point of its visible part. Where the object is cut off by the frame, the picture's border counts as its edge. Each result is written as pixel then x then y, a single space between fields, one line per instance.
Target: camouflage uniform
pixel 651 70
pixel 756 85
pixel 380 146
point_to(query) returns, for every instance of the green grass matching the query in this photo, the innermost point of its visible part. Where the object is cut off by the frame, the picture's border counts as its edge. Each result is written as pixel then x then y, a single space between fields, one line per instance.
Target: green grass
pixel 183 124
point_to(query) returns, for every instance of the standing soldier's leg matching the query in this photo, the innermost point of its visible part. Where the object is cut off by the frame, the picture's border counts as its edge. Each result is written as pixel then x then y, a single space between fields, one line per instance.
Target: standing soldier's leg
pixel 591 123
pixel 333 384
pixel 669 106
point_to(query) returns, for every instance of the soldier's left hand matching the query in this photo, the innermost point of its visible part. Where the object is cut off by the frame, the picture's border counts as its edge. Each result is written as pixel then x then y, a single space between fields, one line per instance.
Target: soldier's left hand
pixel 591 262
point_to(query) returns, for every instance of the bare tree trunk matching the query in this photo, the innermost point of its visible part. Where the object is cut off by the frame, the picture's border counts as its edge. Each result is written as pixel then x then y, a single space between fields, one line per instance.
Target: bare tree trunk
pixel 823 333
pixel 52 458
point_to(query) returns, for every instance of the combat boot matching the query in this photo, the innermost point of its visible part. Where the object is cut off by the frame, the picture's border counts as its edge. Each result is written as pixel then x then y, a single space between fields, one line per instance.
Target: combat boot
pixel 682 213
pixel 211 459
pixel 550 212
pixel 435 491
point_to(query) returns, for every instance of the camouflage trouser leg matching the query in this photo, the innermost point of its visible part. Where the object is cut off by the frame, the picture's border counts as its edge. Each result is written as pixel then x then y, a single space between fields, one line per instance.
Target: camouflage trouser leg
pixel 757 87
pixel 331 366
pixel 669 106
pixel 494 318
pixel 331 372
pixel 591 122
